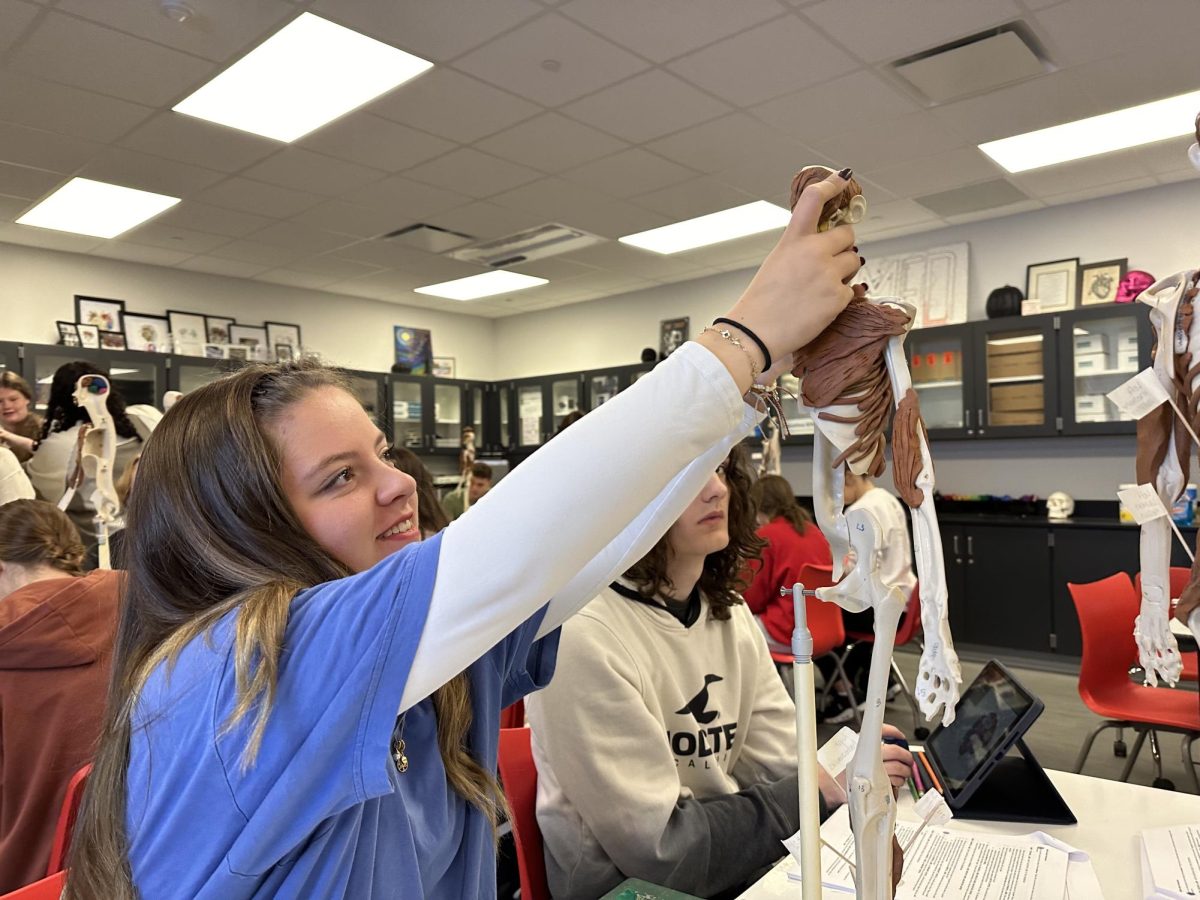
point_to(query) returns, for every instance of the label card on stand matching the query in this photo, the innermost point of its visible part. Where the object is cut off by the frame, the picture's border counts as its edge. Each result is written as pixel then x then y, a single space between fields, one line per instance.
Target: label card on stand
pixel 837 752
pixel 932 808
pixel 1140 394
pixel 1143 503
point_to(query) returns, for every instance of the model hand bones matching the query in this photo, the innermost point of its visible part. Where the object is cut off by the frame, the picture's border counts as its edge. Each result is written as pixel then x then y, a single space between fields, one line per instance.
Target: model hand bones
pixel 1163 453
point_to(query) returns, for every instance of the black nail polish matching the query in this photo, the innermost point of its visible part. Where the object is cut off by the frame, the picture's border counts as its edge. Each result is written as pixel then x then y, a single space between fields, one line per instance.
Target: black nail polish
pixel 846 173
pixel 861 261
pixel 855 249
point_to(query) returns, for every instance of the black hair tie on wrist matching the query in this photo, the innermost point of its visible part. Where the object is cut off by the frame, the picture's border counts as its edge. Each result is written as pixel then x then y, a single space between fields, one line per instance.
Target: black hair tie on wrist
pixel 750 334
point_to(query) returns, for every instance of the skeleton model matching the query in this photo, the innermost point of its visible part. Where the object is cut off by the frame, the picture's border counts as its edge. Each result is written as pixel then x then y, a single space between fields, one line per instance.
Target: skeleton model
pixel 772 463
pixel 853 377
pixel 97 451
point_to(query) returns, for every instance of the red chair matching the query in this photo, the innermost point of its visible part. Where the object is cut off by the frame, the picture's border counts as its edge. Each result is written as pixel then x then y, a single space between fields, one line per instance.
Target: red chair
pixel 1179 578
pixel 828 631
pixel 47 889
pixel 519 777
pixel 1106 611
pixel 66 820
pixel 513 716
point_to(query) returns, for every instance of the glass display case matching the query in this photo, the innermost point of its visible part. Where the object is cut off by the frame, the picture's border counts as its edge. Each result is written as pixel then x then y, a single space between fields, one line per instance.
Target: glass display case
pixel 530 415
pixel 371 390
pixel 1016 381
pixel 565 398
pixel 186 373
pixel 1100 349
pixel 448 415
pixel 408 429
pixel 139 377
pixel 936 362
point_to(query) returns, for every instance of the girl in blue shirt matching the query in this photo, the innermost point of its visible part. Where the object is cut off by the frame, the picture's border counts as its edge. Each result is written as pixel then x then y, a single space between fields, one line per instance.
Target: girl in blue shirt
pixel 305 698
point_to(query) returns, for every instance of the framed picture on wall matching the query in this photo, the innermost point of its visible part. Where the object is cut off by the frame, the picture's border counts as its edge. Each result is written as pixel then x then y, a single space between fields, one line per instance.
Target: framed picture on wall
pixel 149 333
pixel 1053 283
pixel 1098 282
pixel 104 314
pixel 414 349
pixel 189 331
pixel 216 351
pixel 216 329
pixel 443 367
pixel 112 340
pixel 252 337
pixel 89 335
pixel 671 333
pixel 283 334
pixel 68 334
pixel 284 353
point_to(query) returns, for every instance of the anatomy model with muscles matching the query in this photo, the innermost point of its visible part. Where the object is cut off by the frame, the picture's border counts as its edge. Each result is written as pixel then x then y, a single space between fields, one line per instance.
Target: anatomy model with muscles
pixel 854 378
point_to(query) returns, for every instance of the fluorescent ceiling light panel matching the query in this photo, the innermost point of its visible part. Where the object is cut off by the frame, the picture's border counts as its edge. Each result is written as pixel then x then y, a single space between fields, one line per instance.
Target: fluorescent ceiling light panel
pixel 1118 130
pixel 486 285
pixel 83 206
pixel 711 229
pixel 308 73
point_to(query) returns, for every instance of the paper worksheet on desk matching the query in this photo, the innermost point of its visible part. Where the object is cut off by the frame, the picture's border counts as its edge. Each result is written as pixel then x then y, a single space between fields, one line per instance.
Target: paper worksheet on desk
pixel 1171 862
pixel 956 865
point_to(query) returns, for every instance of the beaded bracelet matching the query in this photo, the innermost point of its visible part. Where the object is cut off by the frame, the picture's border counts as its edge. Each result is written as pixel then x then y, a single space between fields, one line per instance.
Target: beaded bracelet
pixel 728 335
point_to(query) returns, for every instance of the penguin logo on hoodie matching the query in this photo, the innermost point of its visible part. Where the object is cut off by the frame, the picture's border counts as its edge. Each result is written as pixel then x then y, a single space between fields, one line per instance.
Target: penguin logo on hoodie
pixel 709 744
pixel 698 705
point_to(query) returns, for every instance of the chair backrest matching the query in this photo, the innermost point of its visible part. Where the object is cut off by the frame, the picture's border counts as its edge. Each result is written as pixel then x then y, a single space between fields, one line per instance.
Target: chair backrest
pixel 50 888
pixel 66 820
pixel 519 777
pixel 1179 576
pixel 513 716
pixel 824 619
pixel 912 617
pixel 1106 609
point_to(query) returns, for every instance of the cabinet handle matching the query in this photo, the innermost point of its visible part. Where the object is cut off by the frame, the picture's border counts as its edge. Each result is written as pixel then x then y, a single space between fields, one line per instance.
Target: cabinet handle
pixel 970 550
pixel 979 415
pixel 956 545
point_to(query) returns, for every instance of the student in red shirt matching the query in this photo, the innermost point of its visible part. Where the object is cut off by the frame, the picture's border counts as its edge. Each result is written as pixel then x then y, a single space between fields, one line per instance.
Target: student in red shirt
pixel 792 542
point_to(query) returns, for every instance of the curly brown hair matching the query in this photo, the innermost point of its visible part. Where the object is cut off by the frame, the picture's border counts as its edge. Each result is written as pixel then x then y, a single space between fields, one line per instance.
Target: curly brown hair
pixel 724 575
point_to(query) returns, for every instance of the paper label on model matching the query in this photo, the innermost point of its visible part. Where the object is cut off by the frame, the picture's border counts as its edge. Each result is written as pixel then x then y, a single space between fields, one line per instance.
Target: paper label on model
pixel 1140 394
pixel 1143 503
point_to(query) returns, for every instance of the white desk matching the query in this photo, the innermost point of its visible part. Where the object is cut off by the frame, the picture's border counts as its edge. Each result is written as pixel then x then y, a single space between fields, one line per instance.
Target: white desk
pixel 1110 814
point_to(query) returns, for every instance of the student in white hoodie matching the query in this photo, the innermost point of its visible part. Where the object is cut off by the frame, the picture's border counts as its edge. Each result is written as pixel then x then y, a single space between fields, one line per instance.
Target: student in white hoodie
pixel 666 743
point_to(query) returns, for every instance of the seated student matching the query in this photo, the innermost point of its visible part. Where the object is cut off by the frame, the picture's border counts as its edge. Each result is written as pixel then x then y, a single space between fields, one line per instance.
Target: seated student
pixel 56 635
pixel 455 503
pixel 895 567
pixel 306 698
pixel 792 541
pixel 666 744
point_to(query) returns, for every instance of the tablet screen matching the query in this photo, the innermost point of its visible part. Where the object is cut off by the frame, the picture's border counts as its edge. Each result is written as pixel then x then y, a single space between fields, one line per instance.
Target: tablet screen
pixel 986 718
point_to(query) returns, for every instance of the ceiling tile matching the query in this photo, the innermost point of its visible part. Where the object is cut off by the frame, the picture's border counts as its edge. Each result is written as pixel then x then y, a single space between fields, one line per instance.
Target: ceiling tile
pixel 218 29
pixel 72 51
pixel 67 110
pixel 697 197
pixel 665 29
pixel 304 238
pixel 788 54
pixel 555 200
pixel 190 140
pixel 1011 209
pixel 305 171
pixel 647 106
pixel 894 214
pixel 1166 72
pixel 808 112
pixel 29 236
pixel 1080 31
pixel 351 219
pixel 214 265
pixel 485 220
pixel 28 183
pixel 769 173
pixel 937 172
pixel 376 142
pixel 1165 157
pixel 150 256
pixel 16 17
pixel 258 198
pixel 1103 190
pixel 749 250
pixel 407 200
pixel 291 278
pixel 550 142
pixel 720 144
pixel 116 165
pixel 1081 175
pixel 434 31
pixel 885 143
pixel 170 237
pixel 12 207
pixel 267 255
pixel 623 259
pixel 629 173
pixel 470 172
pixel 42 149
pixel 340 269
pixel 453 105
pixel 586 62
pixel 556 270
pixel 212 219
pixel 899 28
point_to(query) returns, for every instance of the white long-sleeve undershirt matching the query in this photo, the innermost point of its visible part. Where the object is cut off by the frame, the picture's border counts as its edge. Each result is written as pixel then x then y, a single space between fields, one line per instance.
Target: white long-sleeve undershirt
pixel 578 512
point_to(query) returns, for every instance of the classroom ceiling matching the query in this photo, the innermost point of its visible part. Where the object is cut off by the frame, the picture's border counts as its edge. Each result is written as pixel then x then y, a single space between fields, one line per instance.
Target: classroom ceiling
pixel 612 116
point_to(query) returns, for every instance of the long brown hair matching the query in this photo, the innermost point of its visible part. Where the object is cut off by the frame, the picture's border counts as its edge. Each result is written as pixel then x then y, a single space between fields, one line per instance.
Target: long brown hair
pixel 724 575
pixel 772 496
pixel 203 540
pixel 37 533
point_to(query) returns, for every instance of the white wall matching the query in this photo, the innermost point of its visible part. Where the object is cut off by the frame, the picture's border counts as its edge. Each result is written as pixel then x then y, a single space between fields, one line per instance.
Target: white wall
pixel 38 288
pixel 1155 229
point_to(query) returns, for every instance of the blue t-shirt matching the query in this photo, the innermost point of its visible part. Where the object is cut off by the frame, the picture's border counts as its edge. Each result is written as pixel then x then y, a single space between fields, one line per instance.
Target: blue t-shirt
pixel 323 812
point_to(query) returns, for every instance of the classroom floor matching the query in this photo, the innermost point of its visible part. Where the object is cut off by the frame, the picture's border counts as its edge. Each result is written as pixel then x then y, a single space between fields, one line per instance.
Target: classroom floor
pixel 1058 734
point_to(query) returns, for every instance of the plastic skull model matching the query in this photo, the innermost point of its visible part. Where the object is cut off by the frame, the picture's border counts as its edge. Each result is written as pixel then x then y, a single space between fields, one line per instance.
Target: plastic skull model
pixel 1133 284
pixel 1059 505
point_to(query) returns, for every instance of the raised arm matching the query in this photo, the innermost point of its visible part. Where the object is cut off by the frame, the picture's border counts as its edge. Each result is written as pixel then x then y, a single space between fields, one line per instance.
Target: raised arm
pixel 548 520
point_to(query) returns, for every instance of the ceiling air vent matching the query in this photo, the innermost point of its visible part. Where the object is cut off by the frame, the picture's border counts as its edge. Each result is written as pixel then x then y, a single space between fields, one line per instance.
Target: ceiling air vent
pixel 429 238
pixel 973 65
pixel 534 243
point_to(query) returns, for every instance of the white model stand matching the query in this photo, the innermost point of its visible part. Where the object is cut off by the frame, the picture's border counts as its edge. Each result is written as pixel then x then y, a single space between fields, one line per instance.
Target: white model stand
pixel 872 803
